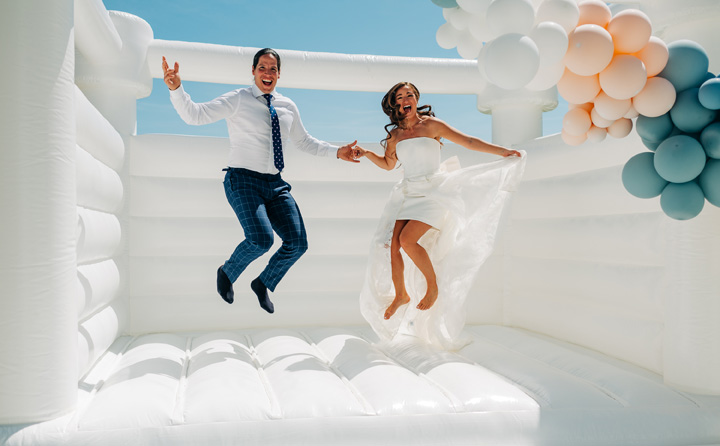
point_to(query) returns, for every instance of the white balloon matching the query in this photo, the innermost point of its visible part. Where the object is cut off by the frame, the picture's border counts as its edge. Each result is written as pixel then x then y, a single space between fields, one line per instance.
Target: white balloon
pixel 481 59
pixel 468 47
pixel 512 60
pixel 563 12
pixel 474 6
pixel 447 36
pixel 510 16
pixel 457 18
pixel 552 41
pixel 547 76
pixel 478 28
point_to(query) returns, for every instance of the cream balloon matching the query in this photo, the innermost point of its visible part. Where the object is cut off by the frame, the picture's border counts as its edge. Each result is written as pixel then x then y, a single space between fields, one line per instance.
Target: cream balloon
pixel 512 60
pixel 510 17
pixel 551 40
pixel 478 28
pixel 656 99
pixel 590 50
pixel 572 140
pixel 631 30
pixel 576 122
pixel 620 128
pixel 624 77
pixel 596 134
pixel 457 18
pixel 632 113
pixel 468 47
pixel 578 89
pixel 477 7
pixel 563 12
pixel 547 76
pixel 447 36
pixel 599 121
pixel 654 55
pixel 594 12
pixel 611 108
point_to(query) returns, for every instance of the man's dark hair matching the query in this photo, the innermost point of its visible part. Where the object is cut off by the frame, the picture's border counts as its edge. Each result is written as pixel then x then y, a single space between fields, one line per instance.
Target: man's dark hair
pixel 264 51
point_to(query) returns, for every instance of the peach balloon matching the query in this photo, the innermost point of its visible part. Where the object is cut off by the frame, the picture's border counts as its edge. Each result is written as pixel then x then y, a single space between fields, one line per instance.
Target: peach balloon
pixel 620 128
pixel 594 12
pixel 576 122
pixel 578 89
pixel 599 121
pixel 654 55
pixel 656 99
pixel 596 134
pixel 590 50
pixel 573 140
pixel 610 108
pixel 587 106
pixel 632 113
pixel 624 77
pixel 630 30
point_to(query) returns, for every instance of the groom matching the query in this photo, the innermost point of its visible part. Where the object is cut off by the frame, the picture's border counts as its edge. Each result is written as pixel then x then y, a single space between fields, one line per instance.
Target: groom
pixel 261 123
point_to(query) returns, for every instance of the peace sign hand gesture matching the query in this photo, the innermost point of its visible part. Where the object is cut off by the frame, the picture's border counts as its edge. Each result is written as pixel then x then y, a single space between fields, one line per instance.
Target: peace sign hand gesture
pixel 171 78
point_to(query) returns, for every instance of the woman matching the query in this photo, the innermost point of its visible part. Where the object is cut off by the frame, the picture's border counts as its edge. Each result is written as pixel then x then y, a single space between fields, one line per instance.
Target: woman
pixel 431 203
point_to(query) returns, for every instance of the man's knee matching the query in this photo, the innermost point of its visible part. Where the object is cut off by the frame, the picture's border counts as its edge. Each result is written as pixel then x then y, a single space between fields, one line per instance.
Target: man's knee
pixel 298 246
pixel 261 243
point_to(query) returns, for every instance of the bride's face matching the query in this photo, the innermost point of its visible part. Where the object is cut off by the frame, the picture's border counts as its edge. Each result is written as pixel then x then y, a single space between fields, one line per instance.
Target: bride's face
pixel 406 100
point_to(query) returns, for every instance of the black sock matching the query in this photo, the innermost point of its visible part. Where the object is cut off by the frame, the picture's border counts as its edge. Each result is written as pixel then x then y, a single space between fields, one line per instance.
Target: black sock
pixel 224 286
pixel 261 290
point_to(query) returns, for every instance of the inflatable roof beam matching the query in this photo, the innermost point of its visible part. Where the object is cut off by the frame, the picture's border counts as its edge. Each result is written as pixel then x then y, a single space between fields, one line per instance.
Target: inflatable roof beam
pixel 95 34
pixel 113 86
pixel 39 217
pixel 357 72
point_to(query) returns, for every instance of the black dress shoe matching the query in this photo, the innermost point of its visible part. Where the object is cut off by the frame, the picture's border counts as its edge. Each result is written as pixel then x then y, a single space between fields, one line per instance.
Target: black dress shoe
pixel 224 286
pixel 260 290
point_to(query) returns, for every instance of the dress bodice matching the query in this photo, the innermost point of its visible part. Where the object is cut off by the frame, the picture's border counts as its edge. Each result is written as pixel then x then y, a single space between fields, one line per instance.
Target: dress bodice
pixel 419 156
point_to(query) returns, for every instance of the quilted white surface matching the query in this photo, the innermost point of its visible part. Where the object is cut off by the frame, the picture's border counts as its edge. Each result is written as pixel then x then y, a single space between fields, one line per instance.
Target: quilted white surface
pixel 331 386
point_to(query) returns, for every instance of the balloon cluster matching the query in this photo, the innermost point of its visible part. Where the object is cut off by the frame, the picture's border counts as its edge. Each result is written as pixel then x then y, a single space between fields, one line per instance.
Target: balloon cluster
pixel 611 74
pixel 683 164
pixel 515 45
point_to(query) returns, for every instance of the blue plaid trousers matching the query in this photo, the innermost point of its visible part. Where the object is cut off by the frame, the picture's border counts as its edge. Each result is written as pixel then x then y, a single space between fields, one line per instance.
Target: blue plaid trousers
pixel 263 204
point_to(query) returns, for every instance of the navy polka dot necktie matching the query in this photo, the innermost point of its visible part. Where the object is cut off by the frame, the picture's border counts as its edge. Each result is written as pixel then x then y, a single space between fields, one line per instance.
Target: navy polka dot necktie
pixel 277 143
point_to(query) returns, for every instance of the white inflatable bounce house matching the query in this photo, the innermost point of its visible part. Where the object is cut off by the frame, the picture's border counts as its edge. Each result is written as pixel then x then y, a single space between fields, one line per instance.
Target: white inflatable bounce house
pixel 596 321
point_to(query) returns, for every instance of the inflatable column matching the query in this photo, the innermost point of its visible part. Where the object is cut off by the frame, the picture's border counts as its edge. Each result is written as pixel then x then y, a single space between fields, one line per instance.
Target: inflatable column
pixel 516 114
pixel 38 316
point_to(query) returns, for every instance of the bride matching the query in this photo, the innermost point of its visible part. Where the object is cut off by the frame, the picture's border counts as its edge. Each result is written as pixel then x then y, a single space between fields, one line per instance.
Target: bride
pixel 443 220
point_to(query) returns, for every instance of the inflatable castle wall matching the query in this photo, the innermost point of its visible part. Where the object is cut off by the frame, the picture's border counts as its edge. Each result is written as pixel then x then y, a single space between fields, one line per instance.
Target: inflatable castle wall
pixel 105 233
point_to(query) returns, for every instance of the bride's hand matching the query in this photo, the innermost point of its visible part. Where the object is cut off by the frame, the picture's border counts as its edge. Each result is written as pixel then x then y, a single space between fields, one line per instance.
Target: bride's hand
pixel 509 152
pixel 358 152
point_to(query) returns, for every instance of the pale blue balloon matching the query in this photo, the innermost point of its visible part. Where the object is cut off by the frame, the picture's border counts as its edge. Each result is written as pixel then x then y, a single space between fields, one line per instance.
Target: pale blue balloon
pixel 654 129
pixel 651 145
pixel 682 201
pixel 688 114
pixel 640 177
pixel 709 94
pixel 710 182
pixel 446 3
pixel 679 159
pixel 687 64
pixel 710 140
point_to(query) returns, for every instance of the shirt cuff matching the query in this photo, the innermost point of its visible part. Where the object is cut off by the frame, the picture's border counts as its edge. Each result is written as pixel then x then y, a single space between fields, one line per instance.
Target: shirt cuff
pixel 177 92
pixel 332 152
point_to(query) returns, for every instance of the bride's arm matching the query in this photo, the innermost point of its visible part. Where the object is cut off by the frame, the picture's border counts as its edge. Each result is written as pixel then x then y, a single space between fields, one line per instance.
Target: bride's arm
pixel 386 162
pixel 442 129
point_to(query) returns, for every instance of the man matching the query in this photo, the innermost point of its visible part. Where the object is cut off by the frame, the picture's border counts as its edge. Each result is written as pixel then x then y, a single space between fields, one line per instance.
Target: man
pixel 261 123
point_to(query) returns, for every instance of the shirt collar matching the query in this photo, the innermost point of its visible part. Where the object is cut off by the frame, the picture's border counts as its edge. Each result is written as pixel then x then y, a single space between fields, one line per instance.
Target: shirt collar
pixel 258 93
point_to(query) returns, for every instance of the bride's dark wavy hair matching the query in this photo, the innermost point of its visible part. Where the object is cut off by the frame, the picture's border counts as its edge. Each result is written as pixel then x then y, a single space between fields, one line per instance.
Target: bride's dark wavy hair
pixel 392 109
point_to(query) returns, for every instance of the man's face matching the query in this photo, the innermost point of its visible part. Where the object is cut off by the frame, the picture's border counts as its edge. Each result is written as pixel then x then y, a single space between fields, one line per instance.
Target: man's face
pixel 266 73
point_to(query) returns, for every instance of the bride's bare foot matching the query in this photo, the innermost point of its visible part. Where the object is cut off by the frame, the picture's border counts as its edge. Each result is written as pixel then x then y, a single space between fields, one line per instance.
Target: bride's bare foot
pixel 398 302
pixel 429 299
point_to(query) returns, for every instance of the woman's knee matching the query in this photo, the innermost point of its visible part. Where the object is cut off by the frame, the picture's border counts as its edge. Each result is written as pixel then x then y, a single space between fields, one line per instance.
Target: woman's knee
pixel 262 242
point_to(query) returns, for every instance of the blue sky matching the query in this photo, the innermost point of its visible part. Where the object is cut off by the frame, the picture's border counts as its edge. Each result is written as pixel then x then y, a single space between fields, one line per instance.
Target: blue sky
pixel 382 27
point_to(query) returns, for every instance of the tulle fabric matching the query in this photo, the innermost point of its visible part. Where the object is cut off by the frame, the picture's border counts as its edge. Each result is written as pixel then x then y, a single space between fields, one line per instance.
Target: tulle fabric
pixel 474 198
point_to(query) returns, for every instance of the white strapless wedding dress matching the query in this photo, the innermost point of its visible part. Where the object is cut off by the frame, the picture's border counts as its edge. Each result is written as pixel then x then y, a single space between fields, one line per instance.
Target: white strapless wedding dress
pixel 463 206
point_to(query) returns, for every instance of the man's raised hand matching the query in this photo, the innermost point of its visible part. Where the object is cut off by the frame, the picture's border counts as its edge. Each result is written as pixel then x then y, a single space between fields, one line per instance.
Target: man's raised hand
pixel 171 76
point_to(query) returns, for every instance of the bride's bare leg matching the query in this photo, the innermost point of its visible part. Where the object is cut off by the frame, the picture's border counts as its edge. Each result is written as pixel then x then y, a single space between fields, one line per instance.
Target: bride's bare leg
pixel 397 266
pixel 409 237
